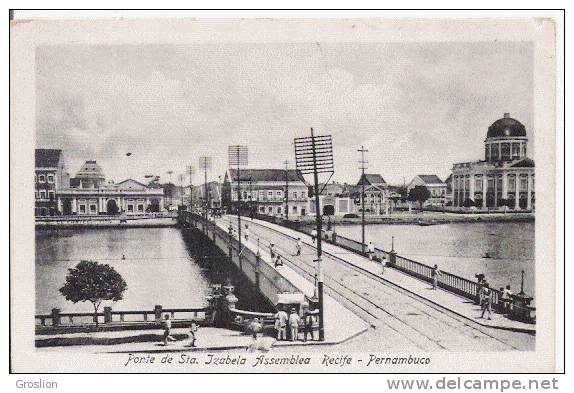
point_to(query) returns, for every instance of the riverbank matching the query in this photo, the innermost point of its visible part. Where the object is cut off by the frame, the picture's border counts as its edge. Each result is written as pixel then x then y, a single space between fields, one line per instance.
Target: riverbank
pixel 429 218
pixel 105 222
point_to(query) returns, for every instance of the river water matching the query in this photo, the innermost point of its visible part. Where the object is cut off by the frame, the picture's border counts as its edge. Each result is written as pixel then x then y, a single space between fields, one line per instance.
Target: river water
pixel 163 266
pixel 157 268
pixel 459 248
pixel 167 266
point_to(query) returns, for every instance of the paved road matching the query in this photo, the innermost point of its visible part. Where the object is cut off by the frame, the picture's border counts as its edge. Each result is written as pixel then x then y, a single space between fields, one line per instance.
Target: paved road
pixel 399 320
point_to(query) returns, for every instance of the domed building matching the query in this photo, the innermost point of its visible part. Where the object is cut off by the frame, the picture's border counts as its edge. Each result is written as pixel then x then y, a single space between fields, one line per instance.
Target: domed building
pixel 506 175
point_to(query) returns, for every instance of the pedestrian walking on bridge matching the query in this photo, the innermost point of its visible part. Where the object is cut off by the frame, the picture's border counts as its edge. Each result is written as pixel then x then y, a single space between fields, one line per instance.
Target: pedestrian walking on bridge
pixel 371 250
pixel 314 235
pixel 246 232
pixel 486 301
pixel 435 274
pixel 383 264
pixel 298 247
pixel 272 251
pixel 278 261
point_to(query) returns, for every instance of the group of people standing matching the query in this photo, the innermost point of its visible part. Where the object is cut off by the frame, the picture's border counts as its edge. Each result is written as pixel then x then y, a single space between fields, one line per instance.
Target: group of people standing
pixel 293 322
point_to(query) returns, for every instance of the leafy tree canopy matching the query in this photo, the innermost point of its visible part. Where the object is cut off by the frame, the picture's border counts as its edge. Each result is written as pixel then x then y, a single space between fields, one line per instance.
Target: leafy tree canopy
pixel 93 282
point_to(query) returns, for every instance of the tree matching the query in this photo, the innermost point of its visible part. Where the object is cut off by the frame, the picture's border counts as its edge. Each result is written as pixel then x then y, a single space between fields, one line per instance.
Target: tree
pixel 93 282
pixel 419 194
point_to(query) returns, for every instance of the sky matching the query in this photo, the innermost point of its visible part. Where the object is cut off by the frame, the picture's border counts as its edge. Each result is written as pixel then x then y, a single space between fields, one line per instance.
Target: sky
pixel 417 107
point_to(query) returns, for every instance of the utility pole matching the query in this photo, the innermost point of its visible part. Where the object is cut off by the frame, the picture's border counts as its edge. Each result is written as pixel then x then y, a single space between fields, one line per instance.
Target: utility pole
pixel 363 163
pixel 286 189
pixel 315 155
pixel 170 188
pixel 190 171
pixel 205 164
pixel 181 180
pixel 237 155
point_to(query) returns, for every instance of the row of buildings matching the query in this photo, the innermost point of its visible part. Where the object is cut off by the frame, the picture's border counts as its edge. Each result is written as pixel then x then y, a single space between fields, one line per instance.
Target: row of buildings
pixel 88 192
pixel 505 178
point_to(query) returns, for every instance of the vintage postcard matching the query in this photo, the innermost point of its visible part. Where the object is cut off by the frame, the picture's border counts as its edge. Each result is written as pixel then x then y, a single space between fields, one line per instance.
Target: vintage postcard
pixel 283 195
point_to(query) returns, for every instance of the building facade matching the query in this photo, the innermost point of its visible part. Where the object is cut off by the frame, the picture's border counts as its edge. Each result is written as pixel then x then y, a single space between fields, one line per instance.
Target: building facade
pixel 89 194
pixel 436 187
pixel 50 177
pixel 505 178
pixel 266 191
pixel 376 194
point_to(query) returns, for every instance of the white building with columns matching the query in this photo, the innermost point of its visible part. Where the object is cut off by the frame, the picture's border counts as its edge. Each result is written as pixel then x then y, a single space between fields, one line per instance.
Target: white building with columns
pixel 89 195
pixel 506 175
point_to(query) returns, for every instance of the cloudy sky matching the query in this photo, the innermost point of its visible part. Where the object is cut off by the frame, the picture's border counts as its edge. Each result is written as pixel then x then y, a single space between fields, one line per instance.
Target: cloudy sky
pixel 417 108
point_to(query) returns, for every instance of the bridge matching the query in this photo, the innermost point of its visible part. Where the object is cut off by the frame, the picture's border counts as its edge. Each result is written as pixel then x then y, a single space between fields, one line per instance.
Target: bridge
pixel 394 310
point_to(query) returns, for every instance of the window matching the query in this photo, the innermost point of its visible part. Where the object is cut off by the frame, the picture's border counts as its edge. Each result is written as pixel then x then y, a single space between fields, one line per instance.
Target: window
pixel 515 150
pixel 294 194
pixel 261 194
pixel 261 209
pixel 505 151
pixel 140 208
pixel 51 195
pixel 494 152
pixel 270 194
pixel 278 209
pixel 82 208
pixel 50 178
pixel 511 184
pixel 41 179
pixel 478 184
pixel 130 208
pixel 294 209
pixel 270 209
pixel 42 194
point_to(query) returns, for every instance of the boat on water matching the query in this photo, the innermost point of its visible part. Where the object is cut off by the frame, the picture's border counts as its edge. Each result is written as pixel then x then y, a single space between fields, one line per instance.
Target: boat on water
pixel 426 223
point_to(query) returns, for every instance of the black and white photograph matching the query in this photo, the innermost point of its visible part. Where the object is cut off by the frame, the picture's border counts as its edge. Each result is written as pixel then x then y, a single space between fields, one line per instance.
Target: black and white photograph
pixel 354 195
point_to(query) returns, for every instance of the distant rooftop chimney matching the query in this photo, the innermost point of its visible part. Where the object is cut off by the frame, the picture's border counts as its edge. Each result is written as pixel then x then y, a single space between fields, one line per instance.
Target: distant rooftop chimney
pixel 506 115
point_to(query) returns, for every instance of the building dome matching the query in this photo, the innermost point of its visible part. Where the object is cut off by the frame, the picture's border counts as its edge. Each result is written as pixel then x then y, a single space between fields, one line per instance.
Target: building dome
pixel 506 127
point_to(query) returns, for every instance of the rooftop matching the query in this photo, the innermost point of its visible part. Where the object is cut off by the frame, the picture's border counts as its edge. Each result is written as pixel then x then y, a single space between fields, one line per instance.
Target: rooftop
pixel 271 175
pixel 48 158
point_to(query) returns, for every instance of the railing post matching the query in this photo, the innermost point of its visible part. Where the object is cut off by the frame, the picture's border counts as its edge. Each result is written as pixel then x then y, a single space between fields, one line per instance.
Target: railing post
pixel 55 317
pixel 392 258
pixel 107 314
pixel 157 312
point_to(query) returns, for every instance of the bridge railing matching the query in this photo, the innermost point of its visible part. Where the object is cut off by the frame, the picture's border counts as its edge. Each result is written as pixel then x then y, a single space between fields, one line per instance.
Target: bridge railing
pixel 109 316
pixel 448 281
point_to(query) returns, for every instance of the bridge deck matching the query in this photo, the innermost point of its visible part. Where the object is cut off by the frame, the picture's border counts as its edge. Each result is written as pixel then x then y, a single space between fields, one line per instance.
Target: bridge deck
pixel 340 323
pixel 403 311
